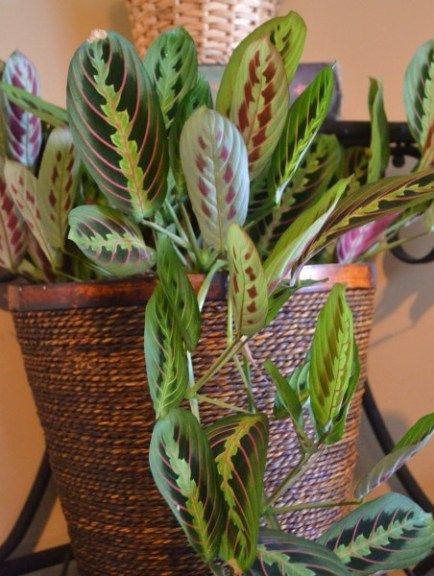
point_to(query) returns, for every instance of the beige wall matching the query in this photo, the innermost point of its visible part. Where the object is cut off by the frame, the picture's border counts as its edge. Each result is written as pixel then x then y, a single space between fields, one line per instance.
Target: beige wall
pixel 367 38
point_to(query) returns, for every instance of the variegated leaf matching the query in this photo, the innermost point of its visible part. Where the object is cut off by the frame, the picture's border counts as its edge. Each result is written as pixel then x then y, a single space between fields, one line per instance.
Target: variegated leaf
pixel 171 62
pixel 282 554
pixel 387 196
pixel 380 140
pixel 24 132
pixel 45 111
pixel 356 242
pixel 355 163
pixel 198 96
pixel 260 102
pixel 3 132
pixel 165 356
pixel 22 187
pixel 239 444
pixel 117 125
pixel 248 285
pixel 416 438
pixel 110 240
pixel 294 244
pixel 310 181
pixel 179 293
pixel 388 533
pixel 185 473
pixel 302 123
pixel 55 188
pixel 331 360
pixel 13 236
pixel 215 165
pixel 419 100
pixel 287 33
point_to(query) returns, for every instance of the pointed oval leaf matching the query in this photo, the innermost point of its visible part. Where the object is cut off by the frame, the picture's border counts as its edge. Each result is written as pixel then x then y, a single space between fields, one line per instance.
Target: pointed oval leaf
pixel 287 33
pixel 199 95
pixel 310 181
pixel 282 554
pixel 302 123
pixel 260 102
pixel 388 533
pixel 215 165
pixel 416 438
pixel 185 473
pixel 24 132
pixel 356 242
pixel 110 240
pixel 331 360
pixel 117 125
pixel 380 140
pixel 287 401
pixel 179 293
pixel 295 243
pixel 419 100
pixel 22 187
pixel 248 285
pixel 171 62
pixel 13 236
pixel 56 185
pixel 165 356
pixel 239 444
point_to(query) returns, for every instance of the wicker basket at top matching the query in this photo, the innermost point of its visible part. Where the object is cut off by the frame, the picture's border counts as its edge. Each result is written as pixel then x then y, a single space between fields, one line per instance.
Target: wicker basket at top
pixel 82 346
pixel 217 26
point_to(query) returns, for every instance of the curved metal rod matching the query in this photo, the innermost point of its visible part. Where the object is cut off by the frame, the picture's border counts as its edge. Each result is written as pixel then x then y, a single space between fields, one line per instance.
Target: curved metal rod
pixel 400 253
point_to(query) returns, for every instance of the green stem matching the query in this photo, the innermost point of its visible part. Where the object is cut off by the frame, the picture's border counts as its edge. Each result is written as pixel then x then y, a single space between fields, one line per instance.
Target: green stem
pixel 220 403
pixel 194 404
pixel 313 506
pixel 384 246
pixel 192 236
pixel 179 241
pixel 203 290
pixel 245 377
pixel 176 221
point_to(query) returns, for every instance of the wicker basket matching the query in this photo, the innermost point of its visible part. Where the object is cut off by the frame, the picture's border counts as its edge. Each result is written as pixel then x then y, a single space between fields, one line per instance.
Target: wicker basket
pixel 83 350
pixel 216 26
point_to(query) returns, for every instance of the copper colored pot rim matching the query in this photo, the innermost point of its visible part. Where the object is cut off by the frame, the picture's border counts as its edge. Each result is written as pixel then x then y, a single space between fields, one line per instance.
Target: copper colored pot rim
pixel 19 297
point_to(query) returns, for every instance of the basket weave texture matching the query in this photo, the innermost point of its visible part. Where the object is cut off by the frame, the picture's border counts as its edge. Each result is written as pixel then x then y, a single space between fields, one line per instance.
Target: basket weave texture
pixel 86 370
pixel 217 26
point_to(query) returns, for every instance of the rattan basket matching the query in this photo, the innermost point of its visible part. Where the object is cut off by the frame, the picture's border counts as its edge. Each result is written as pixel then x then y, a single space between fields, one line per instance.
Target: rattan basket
pixel 217 26
pixel 82 346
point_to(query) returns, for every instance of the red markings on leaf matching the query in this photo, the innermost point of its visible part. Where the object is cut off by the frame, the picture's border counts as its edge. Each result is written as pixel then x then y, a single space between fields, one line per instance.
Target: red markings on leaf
pixel 252 292
pixel 200 163
pixel 205 209
pixel 29 197
pixel 252 307
pixel 230 195
pixel 232 213
pixel 54 175
pixel 52 199
pixel 202 143
pixel 224 153
pixel 203 188
pixel 251 274
pixel 228 175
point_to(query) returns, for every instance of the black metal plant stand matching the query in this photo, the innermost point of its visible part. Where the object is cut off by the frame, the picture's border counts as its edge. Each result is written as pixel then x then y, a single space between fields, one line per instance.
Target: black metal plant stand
pixel 350 134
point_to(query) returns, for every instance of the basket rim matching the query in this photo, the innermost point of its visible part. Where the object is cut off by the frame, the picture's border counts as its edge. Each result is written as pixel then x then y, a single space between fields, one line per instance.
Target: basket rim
pixel 16 296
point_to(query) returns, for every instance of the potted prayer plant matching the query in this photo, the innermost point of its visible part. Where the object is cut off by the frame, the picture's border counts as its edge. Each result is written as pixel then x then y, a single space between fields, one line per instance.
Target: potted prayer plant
pixel 144 193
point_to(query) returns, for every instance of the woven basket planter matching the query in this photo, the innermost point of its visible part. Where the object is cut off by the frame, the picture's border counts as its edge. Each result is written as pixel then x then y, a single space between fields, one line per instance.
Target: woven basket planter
pixel 216 26
pixel 83 351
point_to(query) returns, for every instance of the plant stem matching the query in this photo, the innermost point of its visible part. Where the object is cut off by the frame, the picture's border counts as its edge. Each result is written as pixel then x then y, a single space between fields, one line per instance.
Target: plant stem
pixel 220 403
pixel 245 377
pixel 293 476
pixel 313 505
pixel 179 241
pixel 203 290
pixel 191 236
pixel 176 221
pixel 194 404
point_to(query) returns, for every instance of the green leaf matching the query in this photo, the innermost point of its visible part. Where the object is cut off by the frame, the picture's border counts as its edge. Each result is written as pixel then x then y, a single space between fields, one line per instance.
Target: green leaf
pixel 55 188
pixel 117 125
pixel 13 236
pixel 380 139
pixel 388 533
pixel 282 554
pixel 179 293
pixel 370 202
pixel 215 165
pixel 419 100
pixel 22 186
pixel 416 438
pixel 287 33
pixel 302 123
pixel 259 103
pixel 110 240
pixel 294 244
pixel 185 473
pixel 287 402
pixel 239 444
pixel 198 96
pixel 310 181
pixel 355 163
pixel 171 61
pixel 47 112
pixel 331 360
pixel 248 285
